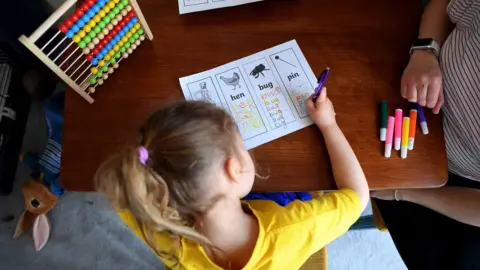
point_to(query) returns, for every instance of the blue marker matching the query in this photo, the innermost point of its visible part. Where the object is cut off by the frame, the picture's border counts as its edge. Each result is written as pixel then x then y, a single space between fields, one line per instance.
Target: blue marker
pixel 422 119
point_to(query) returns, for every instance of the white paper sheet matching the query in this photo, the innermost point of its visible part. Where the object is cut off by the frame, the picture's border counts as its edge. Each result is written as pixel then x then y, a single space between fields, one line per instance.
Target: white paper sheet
pixel 265 92
pixel 188 6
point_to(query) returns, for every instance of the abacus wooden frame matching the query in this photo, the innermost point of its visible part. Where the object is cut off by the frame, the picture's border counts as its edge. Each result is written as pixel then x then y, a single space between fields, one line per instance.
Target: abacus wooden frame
pixel 29 42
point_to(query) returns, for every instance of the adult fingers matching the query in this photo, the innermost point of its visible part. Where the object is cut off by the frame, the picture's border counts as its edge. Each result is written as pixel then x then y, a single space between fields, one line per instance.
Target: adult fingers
pixel 404 90
pixel 377 194
pixel 422 94
pixel 411 92
pixel 440 102
pixel 433 92
pixel 403 87
pixel 383 194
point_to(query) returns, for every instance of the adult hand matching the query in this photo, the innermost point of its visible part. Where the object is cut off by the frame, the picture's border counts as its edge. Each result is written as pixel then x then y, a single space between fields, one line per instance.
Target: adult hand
pixel 386 195
pixel 422 81
pixel 322 112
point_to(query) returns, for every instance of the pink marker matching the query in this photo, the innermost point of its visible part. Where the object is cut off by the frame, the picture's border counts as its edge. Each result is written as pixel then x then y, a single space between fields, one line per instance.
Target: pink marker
pixel 398 129
pixel 389 138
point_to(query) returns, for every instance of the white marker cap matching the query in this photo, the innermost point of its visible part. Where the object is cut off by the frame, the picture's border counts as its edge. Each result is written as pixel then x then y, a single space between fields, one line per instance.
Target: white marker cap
pixel 383 134
pixel 424 127
pixel 404 151
pixel 398 143
pixel 410 143
pixel 388 150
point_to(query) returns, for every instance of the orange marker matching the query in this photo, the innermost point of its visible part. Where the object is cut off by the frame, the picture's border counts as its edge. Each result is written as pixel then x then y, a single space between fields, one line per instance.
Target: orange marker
pixel 405 129
pixel 413 128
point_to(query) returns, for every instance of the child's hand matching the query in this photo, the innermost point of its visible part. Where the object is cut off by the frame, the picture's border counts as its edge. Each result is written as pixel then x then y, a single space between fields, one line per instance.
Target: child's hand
pixel 322 112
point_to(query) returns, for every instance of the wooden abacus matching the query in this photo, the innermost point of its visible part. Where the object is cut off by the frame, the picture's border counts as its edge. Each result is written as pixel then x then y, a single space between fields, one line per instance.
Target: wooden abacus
pixel 105 32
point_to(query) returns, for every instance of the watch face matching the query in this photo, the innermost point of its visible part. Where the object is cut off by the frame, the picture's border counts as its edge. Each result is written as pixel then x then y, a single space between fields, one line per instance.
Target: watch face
pixel 423 42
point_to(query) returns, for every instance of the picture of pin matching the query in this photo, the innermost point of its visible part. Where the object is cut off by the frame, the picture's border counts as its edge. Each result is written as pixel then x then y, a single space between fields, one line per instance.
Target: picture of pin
pixel 278 58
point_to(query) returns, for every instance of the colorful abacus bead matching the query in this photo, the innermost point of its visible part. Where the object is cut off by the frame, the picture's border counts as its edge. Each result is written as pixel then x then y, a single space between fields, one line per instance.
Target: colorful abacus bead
pixel 68 23
pixel 87 39
pixel 91 90
pixel 76 38
pixel 63 28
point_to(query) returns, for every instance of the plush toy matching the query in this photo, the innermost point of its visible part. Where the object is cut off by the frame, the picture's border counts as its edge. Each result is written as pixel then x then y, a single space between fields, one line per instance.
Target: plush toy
pixel 39 192
pixel 48 163
pixel 38 202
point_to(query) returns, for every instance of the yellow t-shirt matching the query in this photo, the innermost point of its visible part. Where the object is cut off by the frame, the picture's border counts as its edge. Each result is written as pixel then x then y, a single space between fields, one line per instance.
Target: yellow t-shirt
pixel 288 235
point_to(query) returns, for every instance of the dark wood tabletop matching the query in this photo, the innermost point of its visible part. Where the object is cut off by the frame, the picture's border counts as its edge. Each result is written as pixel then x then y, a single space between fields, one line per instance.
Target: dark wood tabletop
pixel 365 43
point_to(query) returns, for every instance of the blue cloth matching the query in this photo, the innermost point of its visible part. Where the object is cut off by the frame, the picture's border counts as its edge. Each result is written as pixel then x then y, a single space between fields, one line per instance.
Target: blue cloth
pixel 54 116
pixel 48 162
pixel 281 198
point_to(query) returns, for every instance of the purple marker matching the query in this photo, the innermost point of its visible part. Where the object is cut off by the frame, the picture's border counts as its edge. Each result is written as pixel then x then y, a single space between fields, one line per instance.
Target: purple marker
pixel 422 120
pixel 321 82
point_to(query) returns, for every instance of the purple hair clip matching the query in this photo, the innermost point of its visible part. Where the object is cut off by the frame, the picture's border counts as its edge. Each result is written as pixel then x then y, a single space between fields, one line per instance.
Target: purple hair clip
pixel 143 153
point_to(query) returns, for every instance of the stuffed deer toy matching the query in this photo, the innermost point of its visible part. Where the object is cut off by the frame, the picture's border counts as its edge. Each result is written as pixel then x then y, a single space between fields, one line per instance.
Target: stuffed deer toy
pixel 38 202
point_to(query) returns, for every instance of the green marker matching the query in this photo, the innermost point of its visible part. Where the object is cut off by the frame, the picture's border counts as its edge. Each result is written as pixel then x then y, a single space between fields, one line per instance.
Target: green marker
pixel 383 120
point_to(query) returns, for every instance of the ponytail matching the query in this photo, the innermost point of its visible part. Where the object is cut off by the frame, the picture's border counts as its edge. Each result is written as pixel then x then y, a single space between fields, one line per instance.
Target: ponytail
pixel 165 184
pixel 131 185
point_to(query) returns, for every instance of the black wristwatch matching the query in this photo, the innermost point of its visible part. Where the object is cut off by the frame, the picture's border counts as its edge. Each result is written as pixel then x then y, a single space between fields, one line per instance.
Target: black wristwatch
pixel 426 44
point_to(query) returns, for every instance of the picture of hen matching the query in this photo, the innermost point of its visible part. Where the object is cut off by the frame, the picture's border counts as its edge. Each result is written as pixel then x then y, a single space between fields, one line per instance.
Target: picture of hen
pixel 233 81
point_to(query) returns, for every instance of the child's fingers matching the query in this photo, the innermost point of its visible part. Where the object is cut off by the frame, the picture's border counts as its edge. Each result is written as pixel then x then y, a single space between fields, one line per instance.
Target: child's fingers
pixel 323 95
pixel 310 104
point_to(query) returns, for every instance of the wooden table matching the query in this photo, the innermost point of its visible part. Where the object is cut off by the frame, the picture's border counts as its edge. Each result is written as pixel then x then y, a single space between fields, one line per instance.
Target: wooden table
pixel 364 42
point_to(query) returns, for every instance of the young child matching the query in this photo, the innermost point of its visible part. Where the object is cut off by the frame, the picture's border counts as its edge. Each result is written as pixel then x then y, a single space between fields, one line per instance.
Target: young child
pixel 180 192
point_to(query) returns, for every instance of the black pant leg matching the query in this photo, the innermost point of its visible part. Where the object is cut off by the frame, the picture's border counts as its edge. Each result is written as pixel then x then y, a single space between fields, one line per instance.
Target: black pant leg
pixel 427 240
pixel 414 233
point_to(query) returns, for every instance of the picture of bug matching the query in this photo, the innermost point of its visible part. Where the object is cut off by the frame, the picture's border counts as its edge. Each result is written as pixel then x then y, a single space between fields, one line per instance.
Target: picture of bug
pixel 258 70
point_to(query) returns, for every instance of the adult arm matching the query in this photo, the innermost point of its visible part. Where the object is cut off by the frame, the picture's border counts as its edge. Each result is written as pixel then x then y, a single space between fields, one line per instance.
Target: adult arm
pixel 422 78
pixel 435 22
pixel 459 203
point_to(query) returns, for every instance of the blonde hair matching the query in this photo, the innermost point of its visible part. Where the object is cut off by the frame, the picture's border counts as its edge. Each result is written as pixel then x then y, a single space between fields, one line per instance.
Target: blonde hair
pixel 184 141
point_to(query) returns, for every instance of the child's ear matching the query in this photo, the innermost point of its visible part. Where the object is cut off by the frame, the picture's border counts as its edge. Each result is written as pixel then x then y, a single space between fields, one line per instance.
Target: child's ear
pixel 233 169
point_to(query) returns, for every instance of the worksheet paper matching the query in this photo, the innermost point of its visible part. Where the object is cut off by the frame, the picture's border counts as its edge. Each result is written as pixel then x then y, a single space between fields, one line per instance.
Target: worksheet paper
pixel 265 93
pixel 187 6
